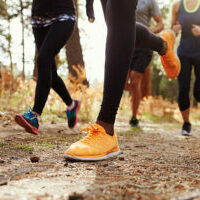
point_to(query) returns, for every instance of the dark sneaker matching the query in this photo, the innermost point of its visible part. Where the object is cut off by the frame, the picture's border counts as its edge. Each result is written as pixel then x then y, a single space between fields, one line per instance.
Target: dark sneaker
pixel 72 114
pixel 134 122
pixel 29 121
pixel 186 129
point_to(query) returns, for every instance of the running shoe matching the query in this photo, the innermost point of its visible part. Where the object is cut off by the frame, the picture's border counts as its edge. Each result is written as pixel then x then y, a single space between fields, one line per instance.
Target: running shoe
pixel 134 122
pixel 29 121
pixel 170 61
pixel 186 129
pixel 72 114
pixel 97 145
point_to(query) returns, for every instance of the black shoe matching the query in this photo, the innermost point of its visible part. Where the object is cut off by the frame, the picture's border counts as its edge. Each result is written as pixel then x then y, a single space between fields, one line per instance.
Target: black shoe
pixel 134 122
pixel 72 114
pixel 186 129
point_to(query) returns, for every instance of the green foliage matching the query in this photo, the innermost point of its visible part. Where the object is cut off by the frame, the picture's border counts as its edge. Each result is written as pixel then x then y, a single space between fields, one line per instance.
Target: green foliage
pixel 1 144
pixel 26 147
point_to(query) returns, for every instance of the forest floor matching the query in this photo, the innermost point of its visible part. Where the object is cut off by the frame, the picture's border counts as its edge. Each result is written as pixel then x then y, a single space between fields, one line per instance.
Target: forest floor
pixel 156 163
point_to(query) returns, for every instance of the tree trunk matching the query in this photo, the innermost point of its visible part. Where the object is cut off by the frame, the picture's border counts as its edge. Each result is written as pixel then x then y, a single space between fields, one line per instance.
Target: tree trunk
pixel 9 47
pixel 23 43
pixel 74 53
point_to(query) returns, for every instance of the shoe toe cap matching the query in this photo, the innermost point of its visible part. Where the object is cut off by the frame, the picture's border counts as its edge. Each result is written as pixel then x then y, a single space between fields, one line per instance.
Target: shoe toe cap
pixel 81 149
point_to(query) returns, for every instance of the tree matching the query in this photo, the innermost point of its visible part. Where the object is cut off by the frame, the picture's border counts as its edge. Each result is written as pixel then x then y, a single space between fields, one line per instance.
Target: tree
pixel 6 32
pixel 74 51
pixel 22 6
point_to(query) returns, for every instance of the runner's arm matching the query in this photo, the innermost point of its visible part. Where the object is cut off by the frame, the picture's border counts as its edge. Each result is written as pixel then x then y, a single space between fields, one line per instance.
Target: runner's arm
pixel 175 26
pixel 196 30
pixel 159 24
pixel 90 10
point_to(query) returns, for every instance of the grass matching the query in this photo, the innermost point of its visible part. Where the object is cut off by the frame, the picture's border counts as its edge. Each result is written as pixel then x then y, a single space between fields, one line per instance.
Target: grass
pixel 1 144
pixel 46 144
pixel 154 109
pixel 26 147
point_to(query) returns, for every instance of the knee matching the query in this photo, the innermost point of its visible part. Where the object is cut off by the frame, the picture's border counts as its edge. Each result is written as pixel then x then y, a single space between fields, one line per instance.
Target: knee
pixel 43 59
pixel 183 100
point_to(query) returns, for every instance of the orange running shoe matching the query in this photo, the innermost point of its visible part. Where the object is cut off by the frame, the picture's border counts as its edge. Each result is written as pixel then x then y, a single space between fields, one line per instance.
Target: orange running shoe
pixel 170 60
pixel 97 145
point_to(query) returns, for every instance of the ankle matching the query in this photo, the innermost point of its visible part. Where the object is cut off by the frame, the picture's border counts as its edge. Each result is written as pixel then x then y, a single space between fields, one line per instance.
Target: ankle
pixel 109 128
pixel 71 106
pixel 164 49
pixel 38 115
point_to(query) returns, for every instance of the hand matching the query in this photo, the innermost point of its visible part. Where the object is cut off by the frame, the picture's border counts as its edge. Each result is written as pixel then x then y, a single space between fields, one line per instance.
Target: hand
pixel 196 30
pixel 176 28
pixel 91 20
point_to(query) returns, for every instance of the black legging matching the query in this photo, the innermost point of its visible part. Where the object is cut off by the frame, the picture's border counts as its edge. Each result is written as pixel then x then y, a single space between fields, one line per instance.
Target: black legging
pixel 120 20
pixel 184 79
pixel 49 40
pixel 145 39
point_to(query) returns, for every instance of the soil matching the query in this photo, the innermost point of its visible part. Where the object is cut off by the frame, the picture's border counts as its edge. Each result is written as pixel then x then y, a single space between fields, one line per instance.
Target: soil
pixel 155 163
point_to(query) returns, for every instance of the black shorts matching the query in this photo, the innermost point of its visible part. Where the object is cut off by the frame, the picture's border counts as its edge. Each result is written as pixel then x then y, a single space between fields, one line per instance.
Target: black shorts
pixel 141 60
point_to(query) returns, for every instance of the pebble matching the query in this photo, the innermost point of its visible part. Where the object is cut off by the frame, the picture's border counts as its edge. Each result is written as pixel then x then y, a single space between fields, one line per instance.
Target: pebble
pixel 3 182
pixel 34 159
pixel 76 197
pixel 2 161
pixel 121 158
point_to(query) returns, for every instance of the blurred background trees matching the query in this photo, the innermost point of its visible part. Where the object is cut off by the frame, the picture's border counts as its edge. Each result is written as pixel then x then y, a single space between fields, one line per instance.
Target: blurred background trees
pixel 12 11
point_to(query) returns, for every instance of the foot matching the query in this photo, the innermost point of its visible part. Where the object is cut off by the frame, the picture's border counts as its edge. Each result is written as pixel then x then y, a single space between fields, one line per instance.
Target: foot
pixel 72 114
pixel 134 122
pixel 186 129
pixel 97 145
pixel 29 121
pixel 170 61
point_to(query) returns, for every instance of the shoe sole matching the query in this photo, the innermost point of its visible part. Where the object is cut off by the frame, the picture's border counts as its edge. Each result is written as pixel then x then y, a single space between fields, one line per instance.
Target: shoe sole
pixel 110 155
pixel 78 108
pixel 23 123
pixel 175 53
pixel 185 133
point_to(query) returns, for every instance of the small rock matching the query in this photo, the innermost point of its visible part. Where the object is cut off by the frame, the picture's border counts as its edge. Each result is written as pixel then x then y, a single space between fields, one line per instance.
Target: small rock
pixel 121 158
pixel 105 165
pixel 89 169
pixel 2 161
pixel 76 197
pixel 3 181
pixel 66 164
pixel 13 158
pixel 34 159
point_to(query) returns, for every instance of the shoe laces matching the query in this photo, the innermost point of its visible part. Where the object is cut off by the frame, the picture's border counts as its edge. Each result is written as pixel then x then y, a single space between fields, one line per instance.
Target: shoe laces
pixel 92 131
pixel 31 115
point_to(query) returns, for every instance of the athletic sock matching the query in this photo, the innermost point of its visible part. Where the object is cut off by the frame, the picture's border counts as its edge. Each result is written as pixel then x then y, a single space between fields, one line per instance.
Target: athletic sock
pixel 71 106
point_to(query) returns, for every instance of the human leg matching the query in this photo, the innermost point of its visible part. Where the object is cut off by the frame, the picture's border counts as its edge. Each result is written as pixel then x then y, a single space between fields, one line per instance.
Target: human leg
pixel 49 41
pixel 101 142
pixel 56 38
pixel 197 79
pixel 184 80
pixel 163 44
pixel 140 62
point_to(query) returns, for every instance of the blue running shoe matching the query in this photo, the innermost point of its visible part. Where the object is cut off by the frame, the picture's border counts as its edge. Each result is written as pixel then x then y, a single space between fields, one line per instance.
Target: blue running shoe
pixel 72 114
pixel 29 121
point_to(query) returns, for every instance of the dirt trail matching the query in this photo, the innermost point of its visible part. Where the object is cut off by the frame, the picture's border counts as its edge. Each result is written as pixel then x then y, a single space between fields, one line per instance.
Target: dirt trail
pixel 155 163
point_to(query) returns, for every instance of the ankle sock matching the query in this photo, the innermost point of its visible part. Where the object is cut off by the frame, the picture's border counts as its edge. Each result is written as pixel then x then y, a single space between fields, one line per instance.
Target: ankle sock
pixel 71 107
